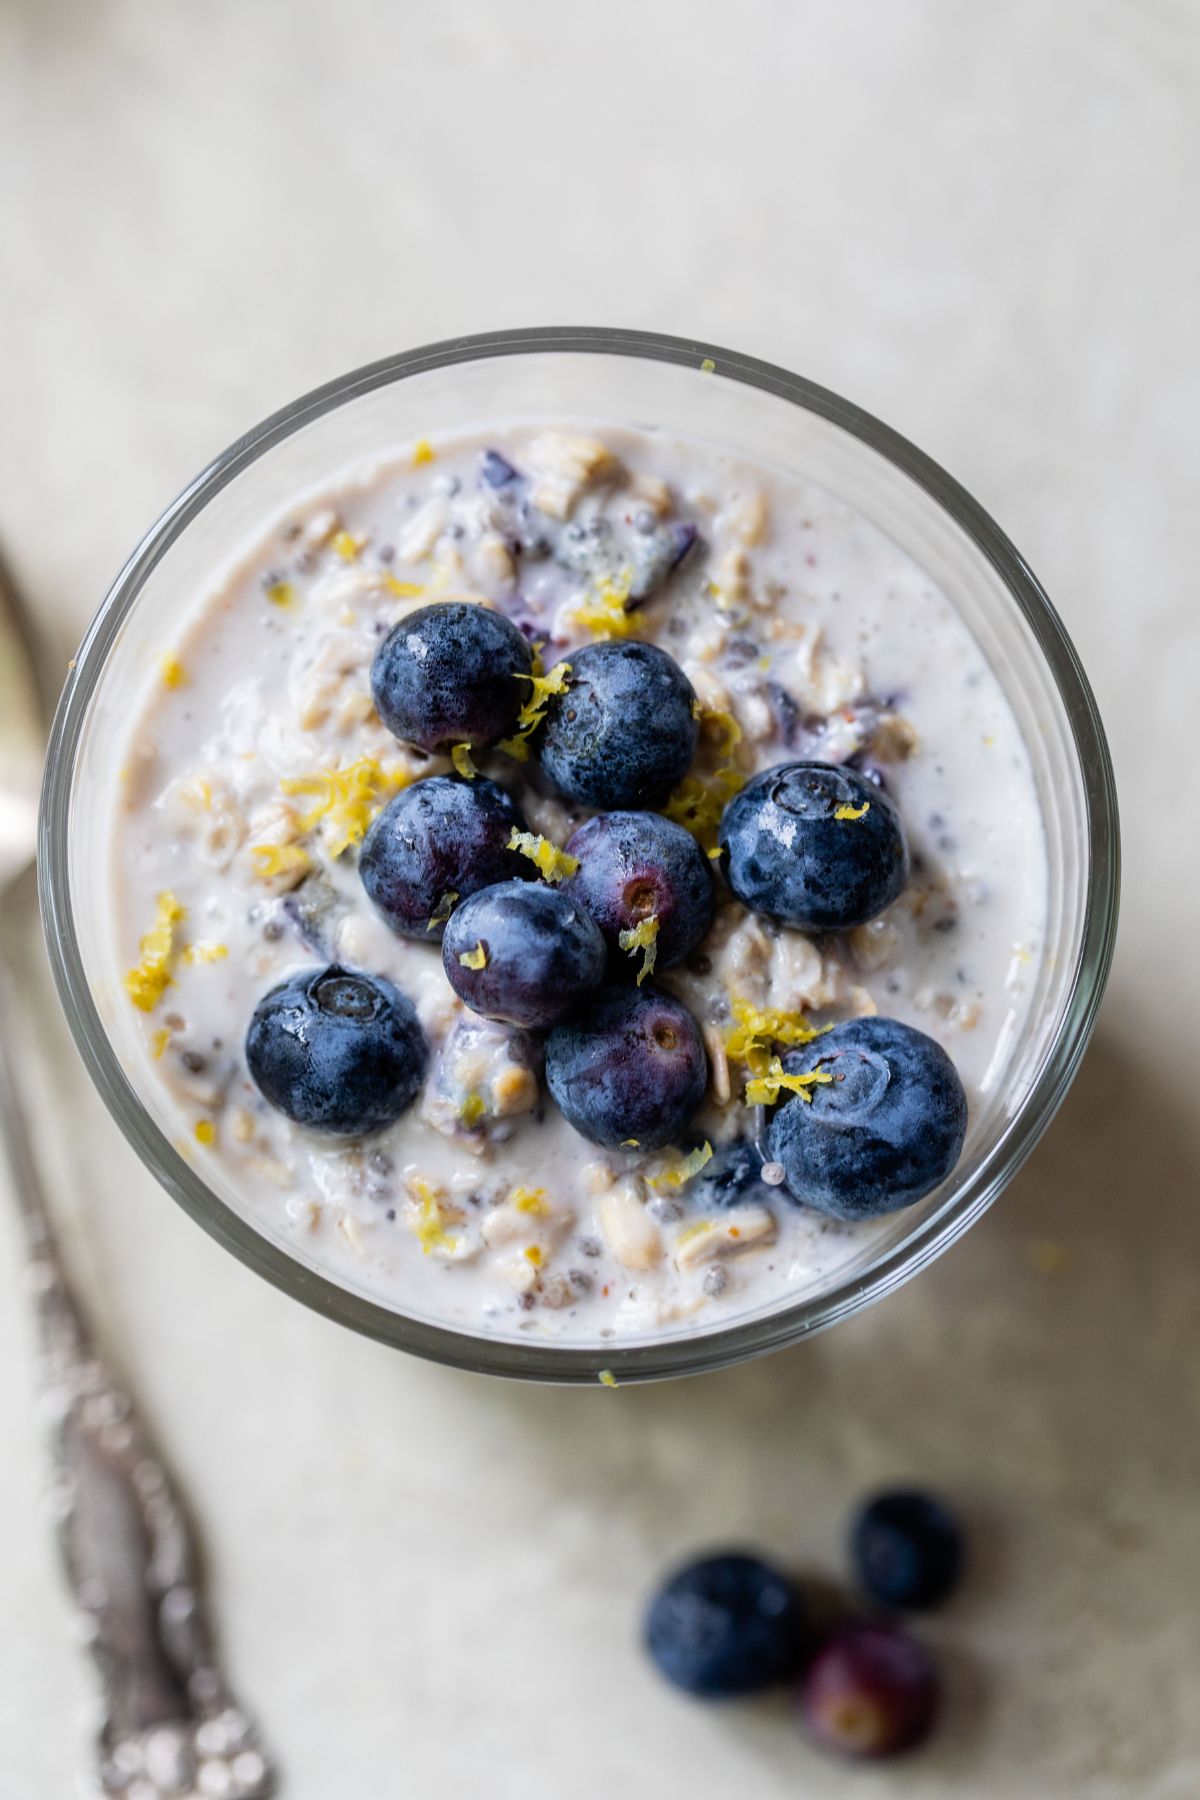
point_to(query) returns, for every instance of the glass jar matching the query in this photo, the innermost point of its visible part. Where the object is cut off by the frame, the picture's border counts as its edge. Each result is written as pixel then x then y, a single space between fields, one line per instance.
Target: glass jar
pixel 692 390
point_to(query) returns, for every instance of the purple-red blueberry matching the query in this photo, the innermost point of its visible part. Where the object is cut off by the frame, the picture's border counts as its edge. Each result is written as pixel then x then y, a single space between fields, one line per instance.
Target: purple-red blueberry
pixel 870 1692
pixel 631 1065
pixel 634 865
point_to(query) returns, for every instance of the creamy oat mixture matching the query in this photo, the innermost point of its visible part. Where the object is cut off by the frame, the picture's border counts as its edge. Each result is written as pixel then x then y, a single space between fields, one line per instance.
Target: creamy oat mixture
pixel 259 762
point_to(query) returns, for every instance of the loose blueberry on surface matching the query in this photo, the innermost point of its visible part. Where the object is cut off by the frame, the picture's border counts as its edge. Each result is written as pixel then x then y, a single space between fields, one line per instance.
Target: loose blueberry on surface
pixel 726 1625
pixel 623 734
pixel 336 1050
pixel 786 853
pixel 634 864
pixel 907 1550
pixel 871 1691
pixel 880 1135
pixel 540 954
pixel 440 837
pixel 450 674
pixel 632 1065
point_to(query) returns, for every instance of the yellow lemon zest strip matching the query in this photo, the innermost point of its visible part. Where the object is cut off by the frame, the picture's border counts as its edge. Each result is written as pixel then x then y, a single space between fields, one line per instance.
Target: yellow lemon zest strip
pixel 147 983
pixel 723 731
pixel 474 959
pixel 552 863
pixel 699 801
pixel 404 590
pixel 173 673
pixel 206 1132
pixel 443 909
pixel 643 937
pixel 606 1378
pixel 280 859
pixel 205 952
pixel 757 1029
pixel 683 1171
pixel 347 545
pixel 160 1040
pixel 853 812
pixel 530 1200
pixel 473 1110
pixel 604 613
pixel 430 1227
pixel 764 1090
pixel 460 756
pixel 281 593
pixel 346 800
pixel 534 709
pixel 423 452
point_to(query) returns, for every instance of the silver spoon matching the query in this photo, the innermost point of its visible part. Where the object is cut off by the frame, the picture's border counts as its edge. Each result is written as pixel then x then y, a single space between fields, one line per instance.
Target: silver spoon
pixel 169 1726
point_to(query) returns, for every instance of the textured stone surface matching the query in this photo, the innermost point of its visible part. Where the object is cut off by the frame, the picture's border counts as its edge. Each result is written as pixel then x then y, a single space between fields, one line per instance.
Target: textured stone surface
pixel 978 223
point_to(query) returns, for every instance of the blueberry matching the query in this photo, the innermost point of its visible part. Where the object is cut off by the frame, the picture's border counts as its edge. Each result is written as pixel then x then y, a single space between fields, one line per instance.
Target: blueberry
pixel 907 1550
pixel 623 733
pixel 732 1177
pixel 337 1050
pixel 495 471
pixel 726 1625
pixel 871 1691
pixel 434 844
pixel 632 1065
pixel 634 864
pixel 882 1133
pixel 786 852
pixel 539 954
pixel 448 674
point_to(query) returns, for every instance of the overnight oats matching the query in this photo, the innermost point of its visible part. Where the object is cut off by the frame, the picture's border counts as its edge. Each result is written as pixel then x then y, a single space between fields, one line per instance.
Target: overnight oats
pixel 576 883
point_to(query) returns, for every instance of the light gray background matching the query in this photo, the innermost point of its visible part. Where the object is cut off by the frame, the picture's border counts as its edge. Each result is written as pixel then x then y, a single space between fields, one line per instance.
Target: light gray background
pixel 980 222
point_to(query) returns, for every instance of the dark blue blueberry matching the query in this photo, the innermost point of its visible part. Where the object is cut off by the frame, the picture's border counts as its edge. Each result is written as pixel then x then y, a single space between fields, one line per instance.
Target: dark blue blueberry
pixel 632 1065
pixel 731 1177
pixel 495 471
pixel 450 674
pixel 336 1050
pixel 785 852
pixel 634 864
pixel 880 1135
pixel 623 734
pixel 871 1691
pixel 435 843
pixel 540 954
pixel 656 554
pixel 726 1625
pixel 907 1550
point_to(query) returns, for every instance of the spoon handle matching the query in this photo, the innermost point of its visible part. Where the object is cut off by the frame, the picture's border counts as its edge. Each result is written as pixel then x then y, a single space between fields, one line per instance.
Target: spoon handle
pixel 168 1723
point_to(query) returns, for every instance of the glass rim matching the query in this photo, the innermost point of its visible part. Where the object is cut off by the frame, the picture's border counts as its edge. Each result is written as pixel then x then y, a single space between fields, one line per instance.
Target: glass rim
pixel 571 1363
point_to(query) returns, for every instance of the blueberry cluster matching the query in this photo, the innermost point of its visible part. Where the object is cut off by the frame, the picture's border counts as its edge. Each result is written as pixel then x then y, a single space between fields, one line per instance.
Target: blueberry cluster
pixel 867 1117
pixel 733 1624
